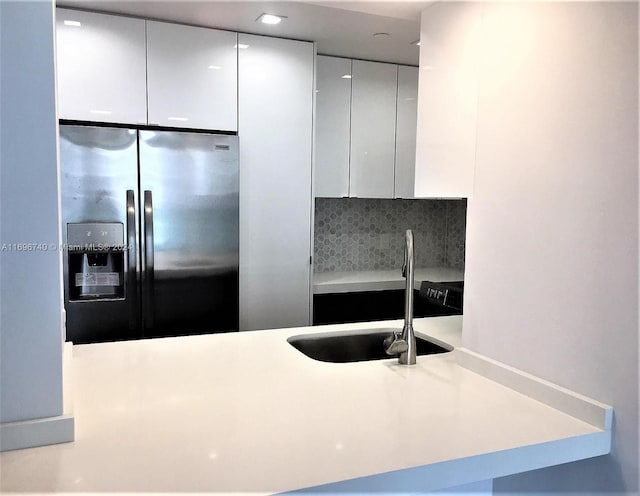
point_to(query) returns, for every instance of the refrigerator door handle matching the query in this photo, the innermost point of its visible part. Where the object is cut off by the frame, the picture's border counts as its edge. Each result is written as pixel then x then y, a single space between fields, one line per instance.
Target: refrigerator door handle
pixel 147 275
pixel 132 279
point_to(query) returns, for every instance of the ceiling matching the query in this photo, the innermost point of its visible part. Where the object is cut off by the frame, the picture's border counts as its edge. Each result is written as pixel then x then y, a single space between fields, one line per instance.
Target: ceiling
pixel 344 28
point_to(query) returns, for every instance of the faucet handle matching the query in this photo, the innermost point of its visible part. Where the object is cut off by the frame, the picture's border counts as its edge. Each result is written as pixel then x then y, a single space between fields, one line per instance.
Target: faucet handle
pixel 395 345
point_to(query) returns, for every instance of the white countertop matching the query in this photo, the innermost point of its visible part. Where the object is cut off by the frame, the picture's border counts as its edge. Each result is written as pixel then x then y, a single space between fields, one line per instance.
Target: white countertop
pixel 374 280
pixel 246 412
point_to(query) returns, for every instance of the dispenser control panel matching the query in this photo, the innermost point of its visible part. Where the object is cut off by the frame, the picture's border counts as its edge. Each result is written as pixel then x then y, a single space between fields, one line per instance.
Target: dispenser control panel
pixel 95 236
pixel 96 260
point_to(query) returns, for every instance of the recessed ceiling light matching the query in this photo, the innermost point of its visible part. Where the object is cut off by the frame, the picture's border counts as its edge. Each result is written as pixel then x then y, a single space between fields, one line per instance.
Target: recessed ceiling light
pixel 416 43
pixel 241 46
pixel 215 67
pixel 346 76
pixel 270 18
pixel 75 24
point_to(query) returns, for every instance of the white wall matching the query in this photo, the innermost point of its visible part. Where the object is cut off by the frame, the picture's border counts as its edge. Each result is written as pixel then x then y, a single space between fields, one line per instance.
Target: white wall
pixel 552 233
pixel 30 291
pixel 450 41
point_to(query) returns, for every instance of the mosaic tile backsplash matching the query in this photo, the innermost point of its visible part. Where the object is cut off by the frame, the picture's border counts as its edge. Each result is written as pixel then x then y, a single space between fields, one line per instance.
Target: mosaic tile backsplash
pixel 368 234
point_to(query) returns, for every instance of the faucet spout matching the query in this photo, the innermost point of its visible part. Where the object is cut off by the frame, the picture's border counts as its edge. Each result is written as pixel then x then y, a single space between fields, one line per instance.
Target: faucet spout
pixel 408 357
pixel 403 343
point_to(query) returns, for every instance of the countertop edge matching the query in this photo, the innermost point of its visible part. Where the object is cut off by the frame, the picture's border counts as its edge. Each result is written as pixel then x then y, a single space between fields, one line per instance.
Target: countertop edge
pixel 485 466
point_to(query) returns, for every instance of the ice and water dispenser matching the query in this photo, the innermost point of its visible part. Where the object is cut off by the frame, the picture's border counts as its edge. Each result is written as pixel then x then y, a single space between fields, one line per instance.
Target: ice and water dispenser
pixel 96 254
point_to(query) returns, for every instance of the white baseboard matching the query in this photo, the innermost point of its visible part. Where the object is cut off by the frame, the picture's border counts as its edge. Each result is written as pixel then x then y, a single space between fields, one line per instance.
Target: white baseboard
pixel 36 432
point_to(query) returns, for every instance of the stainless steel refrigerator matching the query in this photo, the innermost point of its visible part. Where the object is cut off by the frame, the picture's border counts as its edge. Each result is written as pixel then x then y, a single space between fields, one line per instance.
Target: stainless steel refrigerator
pixel 150 227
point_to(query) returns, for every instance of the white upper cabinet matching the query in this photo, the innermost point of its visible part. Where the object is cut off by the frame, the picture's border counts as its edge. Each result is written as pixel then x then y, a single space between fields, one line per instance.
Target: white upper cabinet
pixel 365 129
pixel 101 67
pixel 373 129
pixel 333 116
pixel 450 41
pixel 192 77
pixel 275 120
pixel 406 118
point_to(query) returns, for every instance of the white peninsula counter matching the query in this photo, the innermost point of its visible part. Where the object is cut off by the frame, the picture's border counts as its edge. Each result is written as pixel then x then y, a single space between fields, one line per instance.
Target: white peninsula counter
pixel 248 413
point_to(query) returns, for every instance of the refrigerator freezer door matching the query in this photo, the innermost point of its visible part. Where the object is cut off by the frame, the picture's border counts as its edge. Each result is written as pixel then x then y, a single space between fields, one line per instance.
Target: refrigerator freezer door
pixel 98 167
pixel 192 179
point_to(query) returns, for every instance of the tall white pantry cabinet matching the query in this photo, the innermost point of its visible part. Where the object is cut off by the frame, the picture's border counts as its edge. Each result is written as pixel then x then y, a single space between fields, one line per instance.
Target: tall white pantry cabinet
pixel 275 117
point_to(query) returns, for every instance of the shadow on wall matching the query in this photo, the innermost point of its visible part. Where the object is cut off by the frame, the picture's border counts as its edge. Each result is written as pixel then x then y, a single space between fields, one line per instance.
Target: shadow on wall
pixel 368 234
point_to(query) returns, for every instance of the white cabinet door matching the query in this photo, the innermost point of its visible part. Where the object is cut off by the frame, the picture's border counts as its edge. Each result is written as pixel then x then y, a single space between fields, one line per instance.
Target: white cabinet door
pixel 275 117
pixel 333 116
pixel 101 67
pixel 407 112
pixel 192 77
pixel 448 98
pixel 373 128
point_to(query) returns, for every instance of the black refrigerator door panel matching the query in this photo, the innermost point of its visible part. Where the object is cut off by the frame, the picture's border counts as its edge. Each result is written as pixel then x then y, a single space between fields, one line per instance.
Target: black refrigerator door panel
pixel 99 184
pixel 189 233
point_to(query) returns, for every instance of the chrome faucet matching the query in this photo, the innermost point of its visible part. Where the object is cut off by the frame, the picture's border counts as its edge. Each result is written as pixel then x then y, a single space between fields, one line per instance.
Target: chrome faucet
pixel 404 343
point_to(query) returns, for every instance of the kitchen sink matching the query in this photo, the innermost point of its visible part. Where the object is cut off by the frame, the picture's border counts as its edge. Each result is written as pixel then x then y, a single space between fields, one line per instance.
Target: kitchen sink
pixel 355 346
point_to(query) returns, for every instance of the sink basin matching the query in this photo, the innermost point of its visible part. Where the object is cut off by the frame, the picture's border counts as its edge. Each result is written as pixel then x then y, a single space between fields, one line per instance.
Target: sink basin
pixel 356 346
